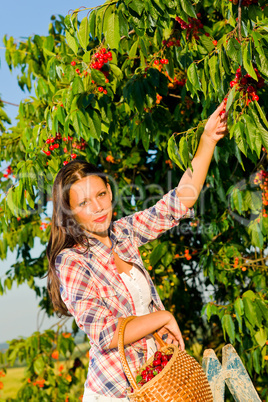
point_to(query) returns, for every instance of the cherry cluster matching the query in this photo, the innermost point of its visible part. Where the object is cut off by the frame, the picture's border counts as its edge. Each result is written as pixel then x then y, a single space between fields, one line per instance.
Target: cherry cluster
pixel 8 172
pixel 54 144
pixel 193 27
pixel 187 255
pixel 247 85
pixel 245 3
pixel 44 225
pixel 100 58
pixel 160 361
pixel 161 61
pixel 261 179
pixel 172 42
pixel 177 82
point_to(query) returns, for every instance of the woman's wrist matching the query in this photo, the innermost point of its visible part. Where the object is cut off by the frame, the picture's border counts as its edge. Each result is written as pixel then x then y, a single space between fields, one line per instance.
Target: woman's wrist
pixel 208 141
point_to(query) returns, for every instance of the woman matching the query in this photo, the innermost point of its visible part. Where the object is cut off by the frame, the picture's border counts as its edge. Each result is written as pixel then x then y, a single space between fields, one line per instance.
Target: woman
pixel 96 273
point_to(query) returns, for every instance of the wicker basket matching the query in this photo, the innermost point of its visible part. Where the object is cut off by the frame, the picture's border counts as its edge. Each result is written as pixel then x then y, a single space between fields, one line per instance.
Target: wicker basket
pixel 182 379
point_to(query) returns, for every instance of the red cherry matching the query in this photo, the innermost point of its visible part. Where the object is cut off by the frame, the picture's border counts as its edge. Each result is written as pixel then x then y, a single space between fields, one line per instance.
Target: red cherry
pixel 77 71
pixel 100 89
pixel 106 81
pixel 73 63
pixel 47 153
pixel 250 88
pixel 215 42
pixel 164 358
pixel 158 355
pixel 105 92
pixel 232 84
pixel 164 363
pixel 207 34
pixel 157 362
pixel 65 163
pixel 149 377
pixel 256 97
pixel 103 50
pixel 156 62
pixel 225 100
pixel 166 61
pixel 56 146
pixel 73 156
pixel 243 81
pixel 109 54
pixel 162 61
pixel 158 369
pixel 51 147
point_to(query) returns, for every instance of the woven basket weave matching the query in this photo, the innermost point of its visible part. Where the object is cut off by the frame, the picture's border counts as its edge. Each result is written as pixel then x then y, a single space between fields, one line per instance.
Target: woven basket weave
pixel 182 379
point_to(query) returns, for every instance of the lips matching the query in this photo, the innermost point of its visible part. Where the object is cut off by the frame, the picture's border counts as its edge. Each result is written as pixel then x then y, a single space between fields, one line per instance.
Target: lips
pixel 101 218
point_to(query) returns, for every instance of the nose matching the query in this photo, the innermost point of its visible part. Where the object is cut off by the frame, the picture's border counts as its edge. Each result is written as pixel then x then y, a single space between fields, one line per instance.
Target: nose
pixel 96 206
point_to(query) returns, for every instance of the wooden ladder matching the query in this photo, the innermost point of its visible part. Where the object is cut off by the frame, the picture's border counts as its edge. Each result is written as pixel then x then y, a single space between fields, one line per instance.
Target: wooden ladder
pixel 231 372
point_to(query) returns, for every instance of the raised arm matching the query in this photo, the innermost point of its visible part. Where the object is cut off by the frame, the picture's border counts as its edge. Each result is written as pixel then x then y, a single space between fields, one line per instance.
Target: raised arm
pixel 191 183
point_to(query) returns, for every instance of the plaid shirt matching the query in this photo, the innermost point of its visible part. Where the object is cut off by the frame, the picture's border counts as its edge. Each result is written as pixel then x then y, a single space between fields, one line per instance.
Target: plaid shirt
pixel 96 296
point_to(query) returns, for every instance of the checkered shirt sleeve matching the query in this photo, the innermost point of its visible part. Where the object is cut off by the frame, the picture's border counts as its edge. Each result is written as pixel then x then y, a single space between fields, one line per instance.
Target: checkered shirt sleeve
pixel 81 297
pixel 150 223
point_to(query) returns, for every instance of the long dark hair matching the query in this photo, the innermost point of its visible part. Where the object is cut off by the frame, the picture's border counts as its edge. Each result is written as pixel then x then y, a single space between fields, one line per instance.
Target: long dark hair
pixel 65 231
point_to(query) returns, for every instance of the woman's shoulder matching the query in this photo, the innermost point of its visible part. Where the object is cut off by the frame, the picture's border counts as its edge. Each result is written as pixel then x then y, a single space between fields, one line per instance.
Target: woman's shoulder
pixel 73 253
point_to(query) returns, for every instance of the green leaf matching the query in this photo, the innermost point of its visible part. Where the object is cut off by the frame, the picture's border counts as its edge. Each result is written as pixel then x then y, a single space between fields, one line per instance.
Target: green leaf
pixel 239 311
pixel 71 42
pixel 133 50
pixel 138 379
pixel 230 98
pixel 228 326
pixel 233 50
pixel 116 71
pixel 158 253
pixel 39 366
pixel 78 86
pixel 262 114
pixel 184 152
pixel 91 23
pixel 173 152
pixel 247 62
pixel 137 6
pixel 94 124
pixel 261 337
pixel 239 137
pixel 193 75
pixel 188 8
pixel 256 360
pixel 250 312
pixel 98 77
pixel 83 33
pixel 213 70
pixel 263 64
pixel 112 34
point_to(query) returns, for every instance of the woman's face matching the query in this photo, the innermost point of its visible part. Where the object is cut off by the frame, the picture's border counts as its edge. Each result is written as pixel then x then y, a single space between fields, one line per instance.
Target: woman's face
pixel 91 204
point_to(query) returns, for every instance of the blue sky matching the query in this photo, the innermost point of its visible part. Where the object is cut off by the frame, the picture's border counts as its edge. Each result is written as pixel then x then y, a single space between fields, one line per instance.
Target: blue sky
pixel 20 19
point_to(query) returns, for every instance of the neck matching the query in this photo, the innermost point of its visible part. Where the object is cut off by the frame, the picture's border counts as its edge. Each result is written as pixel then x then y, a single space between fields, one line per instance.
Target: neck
pixel 103 237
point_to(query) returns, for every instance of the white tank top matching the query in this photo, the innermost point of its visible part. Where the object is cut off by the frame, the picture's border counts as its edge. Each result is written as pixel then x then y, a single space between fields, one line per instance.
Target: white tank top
pixel 139 289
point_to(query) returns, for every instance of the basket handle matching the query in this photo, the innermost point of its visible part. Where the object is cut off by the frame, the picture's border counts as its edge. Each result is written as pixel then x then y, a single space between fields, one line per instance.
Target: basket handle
pixel 122 351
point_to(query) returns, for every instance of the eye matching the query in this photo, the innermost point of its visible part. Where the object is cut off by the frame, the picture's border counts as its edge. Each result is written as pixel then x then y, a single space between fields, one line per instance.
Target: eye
pixel 82 203
pixel 103 193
